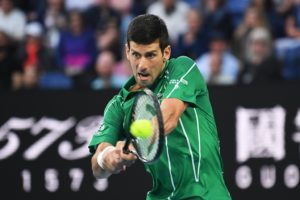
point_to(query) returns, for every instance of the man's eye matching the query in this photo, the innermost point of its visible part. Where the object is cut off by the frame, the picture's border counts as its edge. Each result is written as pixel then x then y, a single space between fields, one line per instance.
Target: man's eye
pixel 151 55
pixel 136 55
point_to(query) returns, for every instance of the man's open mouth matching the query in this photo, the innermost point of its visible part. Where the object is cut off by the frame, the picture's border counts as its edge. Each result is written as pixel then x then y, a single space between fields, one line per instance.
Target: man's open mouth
pixel 143 76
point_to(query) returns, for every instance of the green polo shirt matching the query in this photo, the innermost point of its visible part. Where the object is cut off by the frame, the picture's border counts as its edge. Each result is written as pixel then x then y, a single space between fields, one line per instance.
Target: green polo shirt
pixel 190 165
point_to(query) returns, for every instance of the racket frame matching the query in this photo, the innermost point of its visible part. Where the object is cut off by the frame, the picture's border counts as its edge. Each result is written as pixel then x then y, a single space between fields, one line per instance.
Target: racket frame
pixel 131 139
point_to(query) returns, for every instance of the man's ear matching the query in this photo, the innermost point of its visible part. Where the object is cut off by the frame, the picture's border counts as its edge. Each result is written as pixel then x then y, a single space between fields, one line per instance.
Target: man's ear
pixel 127 51
pixel 167 53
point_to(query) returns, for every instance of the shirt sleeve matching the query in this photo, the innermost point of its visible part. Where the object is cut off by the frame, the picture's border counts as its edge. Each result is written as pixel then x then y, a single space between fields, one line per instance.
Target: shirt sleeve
pixel 186 82
pixel 111 128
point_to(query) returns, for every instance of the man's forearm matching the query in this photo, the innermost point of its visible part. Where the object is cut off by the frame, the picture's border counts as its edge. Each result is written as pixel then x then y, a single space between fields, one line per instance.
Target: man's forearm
pixel 97 170
pixel 171 111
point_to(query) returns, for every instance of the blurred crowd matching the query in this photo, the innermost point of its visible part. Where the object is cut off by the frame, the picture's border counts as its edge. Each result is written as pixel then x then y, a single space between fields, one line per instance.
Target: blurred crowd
pixel 79 44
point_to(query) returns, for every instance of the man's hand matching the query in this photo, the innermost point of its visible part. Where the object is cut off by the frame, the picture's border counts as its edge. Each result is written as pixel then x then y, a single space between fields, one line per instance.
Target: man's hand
pixel 114 160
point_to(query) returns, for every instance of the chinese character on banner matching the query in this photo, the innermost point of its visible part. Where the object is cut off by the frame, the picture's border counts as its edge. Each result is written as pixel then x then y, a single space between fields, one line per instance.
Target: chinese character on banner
pixel 296 135
pixel 260 133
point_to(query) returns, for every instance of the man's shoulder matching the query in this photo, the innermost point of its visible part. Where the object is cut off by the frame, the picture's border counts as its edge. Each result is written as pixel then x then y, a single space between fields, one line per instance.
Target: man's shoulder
pixel 183 62
pixel 115 102
pixel 118 97
pixel 182 66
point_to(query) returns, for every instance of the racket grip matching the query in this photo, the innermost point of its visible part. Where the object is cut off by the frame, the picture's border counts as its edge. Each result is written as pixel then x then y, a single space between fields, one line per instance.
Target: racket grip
pixel 126 145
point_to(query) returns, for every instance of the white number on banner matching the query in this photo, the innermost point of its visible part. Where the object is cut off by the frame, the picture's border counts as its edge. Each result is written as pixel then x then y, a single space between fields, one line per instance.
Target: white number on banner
pixel 57 128
pixel 84 132
pixel 243 177
pixel 76 176
pixel 101 184
pixel 268 176
pixel 26 177
pixel 51 180
pixel 10 137
pixel 52 129
pixel 291 176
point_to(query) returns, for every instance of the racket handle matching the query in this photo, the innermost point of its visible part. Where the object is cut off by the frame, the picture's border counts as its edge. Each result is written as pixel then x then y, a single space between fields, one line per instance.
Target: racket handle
pixel 125 148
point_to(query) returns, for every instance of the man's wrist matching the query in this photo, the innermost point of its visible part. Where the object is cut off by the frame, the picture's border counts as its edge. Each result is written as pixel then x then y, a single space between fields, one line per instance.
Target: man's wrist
pixel 101 154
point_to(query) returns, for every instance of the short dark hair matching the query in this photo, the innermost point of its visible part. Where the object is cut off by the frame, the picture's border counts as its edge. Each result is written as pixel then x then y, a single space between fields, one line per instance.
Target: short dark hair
pixel 146 28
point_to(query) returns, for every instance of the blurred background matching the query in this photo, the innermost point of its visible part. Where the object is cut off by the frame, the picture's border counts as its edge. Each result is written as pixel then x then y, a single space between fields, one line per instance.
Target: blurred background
pixel 62 60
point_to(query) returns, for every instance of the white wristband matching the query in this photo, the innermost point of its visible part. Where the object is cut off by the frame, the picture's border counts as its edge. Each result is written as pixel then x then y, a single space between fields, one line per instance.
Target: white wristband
pixel 100 155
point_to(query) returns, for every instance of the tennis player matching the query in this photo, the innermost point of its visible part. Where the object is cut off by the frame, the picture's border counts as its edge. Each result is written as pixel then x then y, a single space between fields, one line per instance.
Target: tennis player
pixel 190 166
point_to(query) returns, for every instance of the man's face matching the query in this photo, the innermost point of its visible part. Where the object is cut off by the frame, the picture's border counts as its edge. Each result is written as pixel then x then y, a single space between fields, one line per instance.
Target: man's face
pixel 218 45
pixel 6 5
pixel 260 48
pixel 146 61
pixel 169 3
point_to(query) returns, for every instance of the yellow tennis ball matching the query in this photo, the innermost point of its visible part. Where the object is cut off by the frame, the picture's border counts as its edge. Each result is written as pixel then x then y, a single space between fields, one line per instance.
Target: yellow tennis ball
pixel 141 128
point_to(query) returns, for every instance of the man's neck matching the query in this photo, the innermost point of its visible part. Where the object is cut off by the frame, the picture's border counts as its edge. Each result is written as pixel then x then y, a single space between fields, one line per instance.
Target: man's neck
pixel 135 87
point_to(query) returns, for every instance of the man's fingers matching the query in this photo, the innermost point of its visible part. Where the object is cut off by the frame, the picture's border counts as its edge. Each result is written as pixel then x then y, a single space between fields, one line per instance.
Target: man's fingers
pixel 124 156
pixel 131 147
pixel 116 161
pixel 120 145
pixel 116 165
pixel 128 157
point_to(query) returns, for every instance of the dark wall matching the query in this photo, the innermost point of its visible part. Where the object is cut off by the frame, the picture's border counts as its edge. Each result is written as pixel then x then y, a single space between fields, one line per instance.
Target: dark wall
pixel 44 137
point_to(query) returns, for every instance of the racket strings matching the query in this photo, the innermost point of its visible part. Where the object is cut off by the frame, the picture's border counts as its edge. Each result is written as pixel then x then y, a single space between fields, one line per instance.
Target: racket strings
pixel 145 109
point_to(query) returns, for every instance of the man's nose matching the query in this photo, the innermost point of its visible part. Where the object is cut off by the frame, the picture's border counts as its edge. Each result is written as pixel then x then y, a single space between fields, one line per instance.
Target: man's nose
pixel 142 65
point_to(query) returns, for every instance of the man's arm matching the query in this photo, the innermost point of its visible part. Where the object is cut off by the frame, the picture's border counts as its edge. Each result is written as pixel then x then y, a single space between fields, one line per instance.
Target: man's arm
pixel 111 158
pixel 171 111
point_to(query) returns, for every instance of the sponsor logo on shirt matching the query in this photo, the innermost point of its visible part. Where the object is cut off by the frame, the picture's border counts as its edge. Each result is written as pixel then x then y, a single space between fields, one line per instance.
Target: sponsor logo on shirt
pixel 175 81
pixel 101 129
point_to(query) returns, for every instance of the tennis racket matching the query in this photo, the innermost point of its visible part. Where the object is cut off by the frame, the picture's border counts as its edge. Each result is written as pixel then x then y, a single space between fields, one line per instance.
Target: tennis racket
pixel 146 107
